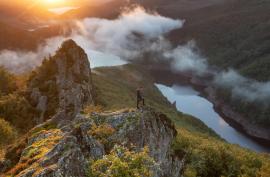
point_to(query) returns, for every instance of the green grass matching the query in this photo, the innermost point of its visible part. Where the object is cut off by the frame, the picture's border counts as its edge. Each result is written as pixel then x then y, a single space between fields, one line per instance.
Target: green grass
pixel 207 155
pixel 116 89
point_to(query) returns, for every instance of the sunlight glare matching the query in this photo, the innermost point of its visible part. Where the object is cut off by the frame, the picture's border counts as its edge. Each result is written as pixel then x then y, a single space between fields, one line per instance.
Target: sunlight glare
pixel 54 2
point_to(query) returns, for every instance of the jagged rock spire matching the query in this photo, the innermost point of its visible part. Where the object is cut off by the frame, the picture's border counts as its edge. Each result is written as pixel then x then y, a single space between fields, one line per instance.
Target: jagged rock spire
pixel 62 83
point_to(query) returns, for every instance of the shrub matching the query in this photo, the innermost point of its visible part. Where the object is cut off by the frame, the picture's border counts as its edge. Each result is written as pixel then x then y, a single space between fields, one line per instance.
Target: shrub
pixel 18 111
pixel 27 157
pixel 92 109
pixel 122 162
pixel 7 82
pixel 102 133
pixel 7 132
pixel 207 156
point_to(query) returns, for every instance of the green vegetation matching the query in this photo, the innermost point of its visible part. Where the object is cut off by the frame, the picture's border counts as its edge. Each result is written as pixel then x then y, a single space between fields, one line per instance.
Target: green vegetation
pixel 43 127
pixel 122 162
pixel 30 156
pixel 7 82
pixel 116 89
pixel 15 109
pixel 235 37
pixel 207 154
pixel 256 112
pixel 44 79
pixel 102 133
pixel 7 133
pixel 89 109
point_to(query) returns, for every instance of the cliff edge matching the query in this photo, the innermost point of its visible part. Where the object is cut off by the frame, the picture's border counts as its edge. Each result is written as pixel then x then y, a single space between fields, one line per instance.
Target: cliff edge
pixel 73 142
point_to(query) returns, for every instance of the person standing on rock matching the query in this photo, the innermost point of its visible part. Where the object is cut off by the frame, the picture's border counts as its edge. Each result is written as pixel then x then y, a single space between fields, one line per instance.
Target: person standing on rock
pixel 140 97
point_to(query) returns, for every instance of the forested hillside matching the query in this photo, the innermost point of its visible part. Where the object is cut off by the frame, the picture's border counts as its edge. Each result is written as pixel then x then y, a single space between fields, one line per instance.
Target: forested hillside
pixel 87 141
pixel 231 34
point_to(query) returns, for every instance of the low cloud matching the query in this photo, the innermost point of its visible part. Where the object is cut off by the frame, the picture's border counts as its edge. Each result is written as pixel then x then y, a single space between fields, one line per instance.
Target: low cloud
pixel 127 37
pixel 241 87
pixel 132 34
pixel 184 58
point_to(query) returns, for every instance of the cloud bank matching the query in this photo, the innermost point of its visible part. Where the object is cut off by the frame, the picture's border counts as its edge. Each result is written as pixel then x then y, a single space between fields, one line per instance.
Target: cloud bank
pixel 129 36
pixel 242 87
pixel 184 58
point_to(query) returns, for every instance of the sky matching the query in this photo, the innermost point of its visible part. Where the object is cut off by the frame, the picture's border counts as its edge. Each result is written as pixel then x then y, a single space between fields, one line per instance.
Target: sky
pixel 51 3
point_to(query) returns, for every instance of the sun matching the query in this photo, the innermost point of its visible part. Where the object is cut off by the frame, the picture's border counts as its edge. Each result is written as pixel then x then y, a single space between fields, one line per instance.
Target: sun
pixel 53 2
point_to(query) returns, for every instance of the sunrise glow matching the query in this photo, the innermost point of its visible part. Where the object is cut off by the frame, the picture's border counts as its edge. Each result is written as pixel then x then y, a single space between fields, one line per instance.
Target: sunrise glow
pixel 54 3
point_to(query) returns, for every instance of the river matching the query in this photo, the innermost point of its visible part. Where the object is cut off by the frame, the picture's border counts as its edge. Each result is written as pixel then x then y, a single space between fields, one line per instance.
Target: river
pixel 190 102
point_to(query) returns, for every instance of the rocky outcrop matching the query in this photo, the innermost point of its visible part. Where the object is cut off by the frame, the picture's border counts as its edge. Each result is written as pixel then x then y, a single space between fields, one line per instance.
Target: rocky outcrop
pixel 66 152
pixel 62 83
pixel 66 144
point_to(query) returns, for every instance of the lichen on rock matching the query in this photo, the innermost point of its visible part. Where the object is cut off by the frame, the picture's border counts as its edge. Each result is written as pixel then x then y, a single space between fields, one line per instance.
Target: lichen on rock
pixel 66 152
pixel 67 141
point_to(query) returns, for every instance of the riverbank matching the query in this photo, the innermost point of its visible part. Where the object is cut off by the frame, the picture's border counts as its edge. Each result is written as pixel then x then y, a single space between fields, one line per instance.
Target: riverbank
pixel 203 85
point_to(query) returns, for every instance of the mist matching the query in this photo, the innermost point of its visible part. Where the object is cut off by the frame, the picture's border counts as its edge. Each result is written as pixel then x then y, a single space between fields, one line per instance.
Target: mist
pixel 128 37
pixel 184 58
pixel 241 87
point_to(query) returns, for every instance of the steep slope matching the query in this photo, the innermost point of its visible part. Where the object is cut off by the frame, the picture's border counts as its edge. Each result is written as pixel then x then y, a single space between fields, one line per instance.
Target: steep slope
pixel 72 141
pixel 233 34
pixel 107 140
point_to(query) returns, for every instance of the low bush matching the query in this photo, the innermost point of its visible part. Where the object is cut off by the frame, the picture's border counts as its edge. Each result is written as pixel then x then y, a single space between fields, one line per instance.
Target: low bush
pixel 18 111
pixel 7 132
pixel 102 133
pixel 89 109
pixel 7 82
pixel 122 162
pixel 208 156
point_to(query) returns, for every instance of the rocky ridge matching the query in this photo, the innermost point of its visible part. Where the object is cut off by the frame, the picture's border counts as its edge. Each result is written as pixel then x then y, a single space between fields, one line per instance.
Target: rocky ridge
pixel 66 151
pixel 64 145
pixel 62 83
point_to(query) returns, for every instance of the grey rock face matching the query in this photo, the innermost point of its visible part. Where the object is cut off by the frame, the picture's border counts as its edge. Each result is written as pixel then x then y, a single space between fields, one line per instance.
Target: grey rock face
pixel 62 83
pixel 157 132
pixel 63 145
pixel 70 155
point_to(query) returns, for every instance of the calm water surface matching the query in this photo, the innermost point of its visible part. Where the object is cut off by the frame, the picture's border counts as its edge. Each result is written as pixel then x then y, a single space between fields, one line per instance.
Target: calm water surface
pixel 190 102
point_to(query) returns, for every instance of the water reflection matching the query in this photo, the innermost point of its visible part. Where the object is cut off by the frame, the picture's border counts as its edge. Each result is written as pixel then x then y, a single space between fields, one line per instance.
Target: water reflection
pixel 189 102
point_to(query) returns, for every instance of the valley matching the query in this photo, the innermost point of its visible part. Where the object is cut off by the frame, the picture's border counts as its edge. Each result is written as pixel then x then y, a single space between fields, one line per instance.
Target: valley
pixel 190 102
pixel 70 73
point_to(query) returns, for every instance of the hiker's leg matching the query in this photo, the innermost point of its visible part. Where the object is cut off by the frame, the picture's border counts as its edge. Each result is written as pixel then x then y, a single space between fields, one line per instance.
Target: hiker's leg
pixel 138 103
pixel 143 101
